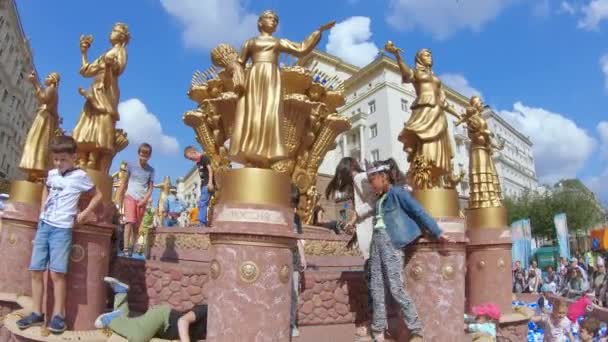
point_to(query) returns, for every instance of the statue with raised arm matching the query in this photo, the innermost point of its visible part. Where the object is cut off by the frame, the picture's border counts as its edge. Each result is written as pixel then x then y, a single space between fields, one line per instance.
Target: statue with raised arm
pixel 425 135
pixel 485 190
pixel 257 137
pixel 266 114
pixel 95 130
pixel 35 160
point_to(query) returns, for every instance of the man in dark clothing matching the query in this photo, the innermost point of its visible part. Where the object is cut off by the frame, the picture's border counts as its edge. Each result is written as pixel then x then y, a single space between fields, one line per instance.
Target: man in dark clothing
pixel 160 321
pixel 203 163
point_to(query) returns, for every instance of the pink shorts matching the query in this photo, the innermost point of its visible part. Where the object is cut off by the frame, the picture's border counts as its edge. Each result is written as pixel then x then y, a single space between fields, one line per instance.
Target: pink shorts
pixel 133 213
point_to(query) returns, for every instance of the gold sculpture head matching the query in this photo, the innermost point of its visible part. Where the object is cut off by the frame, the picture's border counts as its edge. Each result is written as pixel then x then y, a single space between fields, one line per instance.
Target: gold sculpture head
pixel 120 34
pixel 268 22
pixel 424 59
pixel 52 78
pixel 476 102
pixel 123 166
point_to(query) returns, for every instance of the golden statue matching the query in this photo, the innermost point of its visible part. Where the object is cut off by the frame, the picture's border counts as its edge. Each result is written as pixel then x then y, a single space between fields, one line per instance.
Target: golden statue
pixel 485 191
pixel 95 131
pixel 257 137
pixel 165 189
pixel 35 160
pixel 279 117
pixel 425 135
pixel 119 178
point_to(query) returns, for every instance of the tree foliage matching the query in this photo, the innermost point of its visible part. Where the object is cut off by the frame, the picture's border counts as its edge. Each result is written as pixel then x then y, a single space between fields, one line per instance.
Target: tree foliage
pixel 4 186
pixel 571 197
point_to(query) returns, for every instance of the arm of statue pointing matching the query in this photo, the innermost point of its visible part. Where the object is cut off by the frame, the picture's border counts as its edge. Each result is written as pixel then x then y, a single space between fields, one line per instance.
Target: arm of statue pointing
pixel 450 109
pixel 304 48
pixel 406 72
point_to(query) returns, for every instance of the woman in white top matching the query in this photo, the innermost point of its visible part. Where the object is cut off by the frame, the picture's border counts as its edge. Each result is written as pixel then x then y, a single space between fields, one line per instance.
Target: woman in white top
pixel 351 180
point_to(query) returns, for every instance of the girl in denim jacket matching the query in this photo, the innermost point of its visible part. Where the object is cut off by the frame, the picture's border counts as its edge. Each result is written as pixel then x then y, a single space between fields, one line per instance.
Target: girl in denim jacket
pixel 397 223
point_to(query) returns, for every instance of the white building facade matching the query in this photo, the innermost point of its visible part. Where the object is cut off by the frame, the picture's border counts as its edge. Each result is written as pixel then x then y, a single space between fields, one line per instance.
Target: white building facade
pixel 189 189
pixel 378 104
pixel 17 97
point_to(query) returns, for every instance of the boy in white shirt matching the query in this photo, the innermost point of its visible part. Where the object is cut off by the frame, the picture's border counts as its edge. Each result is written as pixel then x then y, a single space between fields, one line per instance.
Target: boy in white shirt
pixel 53 242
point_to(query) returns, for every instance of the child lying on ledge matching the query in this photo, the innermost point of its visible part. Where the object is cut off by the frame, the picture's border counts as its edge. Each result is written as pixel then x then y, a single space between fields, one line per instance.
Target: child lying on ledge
pixel 160 321
pixel 483 324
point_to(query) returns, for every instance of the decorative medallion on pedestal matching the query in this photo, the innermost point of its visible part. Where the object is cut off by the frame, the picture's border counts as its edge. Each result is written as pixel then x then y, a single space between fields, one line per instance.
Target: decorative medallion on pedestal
pixel 215 269
pixel 284 274
pixel 417 272
pixel 249 272
pixel 447 272
pixel 77 254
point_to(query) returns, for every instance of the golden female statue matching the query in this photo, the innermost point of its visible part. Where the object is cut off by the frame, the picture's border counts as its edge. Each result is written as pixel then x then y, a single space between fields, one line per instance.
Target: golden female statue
pixel 425 136
pixel 95 130
pixel 35 160
pixel 257 138
pixel 165 189
pixel 484 185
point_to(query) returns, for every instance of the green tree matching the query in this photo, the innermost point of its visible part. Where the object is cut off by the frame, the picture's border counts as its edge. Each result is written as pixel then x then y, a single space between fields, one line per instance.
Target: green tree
pixel 571 197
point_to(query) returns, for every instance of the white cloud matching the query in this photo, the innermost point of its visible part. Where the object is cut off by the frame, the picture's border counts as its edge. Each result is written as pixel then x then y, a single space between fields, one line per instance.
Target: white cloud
pixel 602 130
pixel 604 66
pixel 210 22
pixel 567 8
pixel 593 14
pixel 350 40
pixel 443 18
pixel 459 83
pixel 599 185
pixel 143 126
pixel 561 148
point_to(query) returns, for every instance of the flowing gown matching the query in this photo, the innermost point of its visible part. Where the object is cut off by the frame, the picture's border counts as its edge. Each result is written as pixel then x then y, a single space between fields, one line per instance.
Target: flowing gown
pixel 97 121
pixel 36 157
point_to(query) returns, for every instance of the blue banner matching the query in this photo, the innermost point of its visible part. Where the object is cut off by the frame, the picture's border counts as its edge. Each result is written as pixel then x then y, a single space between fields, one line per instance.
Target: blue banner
pixel 561 230
pixel 522 246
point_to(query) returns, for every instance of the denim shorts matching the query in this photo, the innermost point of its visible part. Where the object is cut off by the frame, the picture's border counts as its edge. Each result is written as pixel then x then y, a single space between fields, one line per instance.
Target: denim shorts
pixel 51 248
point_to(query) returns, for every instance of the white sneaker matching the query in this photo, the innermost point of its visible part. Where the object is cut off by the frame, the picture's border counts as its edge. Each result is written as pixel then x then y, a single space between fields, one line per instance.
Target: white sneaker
pixel 295 332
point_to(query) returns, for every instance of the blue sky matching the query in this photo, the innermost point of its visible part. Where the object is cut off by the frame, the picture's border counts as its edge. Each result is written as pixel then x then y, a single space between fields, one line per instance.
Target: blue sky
pixel 539 62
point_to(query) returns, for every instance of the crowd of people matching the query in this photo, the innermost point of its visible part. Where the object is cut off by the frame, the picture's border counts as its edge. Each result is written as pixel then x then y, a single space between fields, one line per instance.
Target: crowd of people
pixel 572 279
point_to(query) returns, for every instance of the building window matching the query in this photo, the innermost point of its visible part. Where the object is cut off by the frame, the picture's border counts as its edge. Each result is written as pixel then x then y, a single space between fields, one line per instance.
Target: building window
pixel 5 95
pixel 373 129
pixel 372 107
pixel 375 155
pixel 404 105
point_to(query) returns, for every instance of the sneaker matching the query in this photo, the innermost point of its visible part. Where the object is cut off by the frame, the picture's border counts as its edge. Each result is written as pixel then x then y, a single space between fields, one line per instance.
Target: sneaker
pixel 104 320
pixel 116 285
pixel 57 324
pixel 295 332
pixel 378 336
pixel 416 338
pixel 32 320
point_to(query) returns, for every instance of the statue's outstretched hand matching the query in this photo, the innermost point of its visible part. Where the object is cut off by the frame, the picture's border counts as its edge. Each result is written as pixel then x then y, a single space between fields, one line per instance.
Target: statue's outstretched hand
pixel 391 48
pixel 327 26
